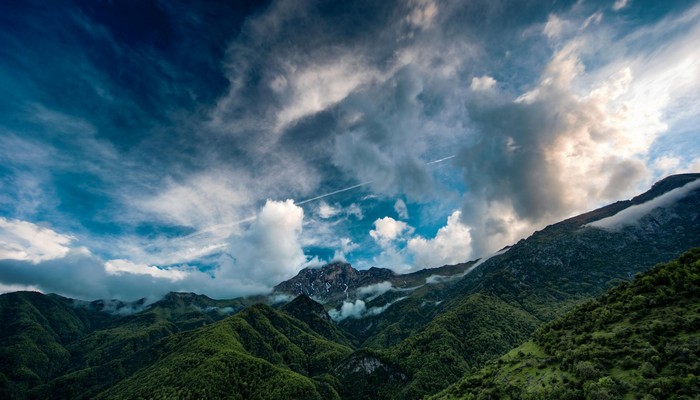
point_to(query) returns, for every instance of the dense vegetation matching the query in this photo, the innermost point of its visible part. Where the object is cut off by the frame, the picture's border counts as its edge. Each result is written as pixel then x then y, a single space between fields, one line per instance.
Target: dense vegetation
pixel 640 340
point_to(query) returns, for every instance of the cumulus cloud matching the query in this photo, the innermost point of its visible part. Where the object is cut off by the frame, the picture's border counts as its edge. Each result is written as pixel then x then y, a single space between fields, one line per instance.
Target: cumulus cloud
pixel 482 83
pixel 451 245
pixel 387 229
pixel 256 259
pixel 23 240
pixel 632 215
pixel 269 250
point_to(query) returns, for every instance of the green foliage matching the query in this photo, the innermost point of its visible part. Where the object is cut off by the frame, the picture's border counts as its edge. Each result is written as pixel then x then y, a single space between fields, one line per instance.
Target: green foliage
pixel 641 338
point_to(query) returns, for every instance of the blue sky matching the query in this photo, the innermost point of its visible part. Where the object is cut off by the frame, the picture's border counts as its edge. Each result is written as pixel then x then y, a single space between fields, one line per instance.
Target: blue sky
pixel 151 146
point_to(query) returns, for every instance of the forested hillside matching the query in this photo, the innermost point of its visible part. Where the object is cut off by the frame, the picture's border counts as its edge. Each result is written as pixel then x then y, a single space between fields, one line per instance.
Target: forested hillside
pixel 640 340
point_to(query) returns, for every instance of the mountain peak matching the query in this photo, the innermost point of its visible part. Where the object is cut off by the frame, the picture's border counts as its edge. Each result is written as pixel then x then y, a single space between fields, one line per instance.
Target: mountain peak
pixel 332 282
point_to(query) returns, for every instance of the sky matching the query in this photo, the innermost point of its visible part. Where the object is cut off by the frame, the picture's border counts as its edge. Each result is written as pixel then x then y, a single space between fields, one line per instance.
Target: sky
pixel 220 147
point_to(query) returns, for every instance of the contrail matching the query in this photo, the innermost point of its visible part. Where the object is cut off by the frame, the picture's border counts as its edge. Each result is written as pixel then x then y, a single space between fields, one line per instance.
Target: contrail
pixel 336 192
pixel 441 160
pixel 364 183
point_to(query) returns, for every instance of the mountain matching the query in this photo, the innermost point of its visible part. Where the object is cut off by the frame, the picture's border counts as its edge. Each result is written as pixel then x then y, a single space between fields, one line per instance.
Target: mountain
pixel 339 281
pixel 640 339
pixel 374 334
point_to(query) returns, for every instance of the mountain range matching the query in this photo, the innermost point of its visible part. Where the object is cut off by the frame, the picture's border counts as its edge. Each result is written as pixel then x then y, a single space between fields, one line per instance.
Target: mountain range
pixel 521 324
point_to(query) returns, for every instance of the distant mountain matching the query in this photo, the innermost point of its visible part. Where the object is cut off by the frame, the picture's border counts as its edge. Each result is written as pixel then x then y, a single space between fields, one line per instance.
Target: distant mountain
pixel 391 336
pixel 339 281
pixel 640 340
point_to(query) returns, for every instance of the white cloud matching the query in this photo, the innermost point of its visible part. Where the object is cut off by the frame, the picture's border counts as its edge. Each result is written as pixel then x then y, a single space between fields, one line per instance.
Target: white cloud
pixel 23 240
pixel 387 229
pixel 555 27
pixel 375 290
pixel 270 250
pixel 451 245
pixel 422 13
pixel 201 201
pixel 120 266
pixel 346 247
pixel 311 89
pixel 482 83
pixel 620 4
pixel 326 211
pixel 376 310
pixel 348 310
pixel 666 165
pixel 358 309
pixel 355 211
pixel 401 209
pixel 631 215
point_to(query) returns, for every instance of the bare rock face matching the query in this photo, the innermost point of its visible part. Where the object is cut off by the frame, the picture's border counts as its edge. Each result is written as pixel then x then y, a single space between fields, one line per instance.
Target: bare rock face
pixel 332 282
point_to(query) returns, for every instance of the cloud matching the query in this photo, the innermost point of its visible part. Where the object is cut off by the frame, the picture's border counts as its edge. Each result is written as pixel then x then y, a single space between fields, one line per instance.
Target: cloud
pixel 201 201
pixel 82 275
pixel 375 290
pixel 269 250
pixel 310 89
pixel 387 229
pixel 358 309
pixel 346 247
pixel 401 209
pixel 326 211
pixel 23 240
pixel 620 4
pixel 482 83
pixel 422 13
pixel 631 215
pixel 575 135
pixel 555 27
pixel 376 310
pixel 348 310
pixel 355 211
pixel 451 245
pixel 119 267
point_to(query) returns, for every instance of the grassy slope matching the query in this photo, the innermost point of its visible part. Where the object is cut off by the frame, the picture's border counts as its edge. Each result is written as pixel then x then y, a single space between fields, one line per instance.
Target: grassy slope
pixel 640 339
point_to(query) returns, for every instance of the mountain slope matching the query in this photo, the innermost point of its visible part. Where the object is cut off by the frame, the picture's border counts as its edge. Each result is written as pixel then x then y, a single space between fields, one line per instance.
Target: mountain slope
pixel 258 353
pixel 34 332
pixel 641 338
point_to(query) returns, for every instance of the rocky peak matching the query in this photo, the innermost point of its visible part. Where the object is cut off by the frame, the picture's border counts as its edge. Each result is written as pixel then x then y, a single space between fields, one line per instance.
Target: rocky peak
pixel 332 282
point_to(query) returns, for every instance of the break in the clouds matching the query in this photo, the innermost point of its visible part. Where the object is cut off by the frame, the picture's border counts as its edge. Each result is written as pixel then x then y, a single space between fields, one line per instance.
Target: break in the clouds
pixel 221 147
